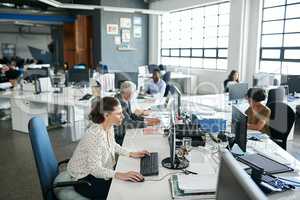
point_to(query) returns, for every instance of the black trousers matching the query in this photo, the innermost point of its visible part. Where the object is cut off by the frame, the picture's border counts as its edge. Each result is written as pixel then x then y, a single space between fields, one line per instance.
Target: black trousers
pixel 98 190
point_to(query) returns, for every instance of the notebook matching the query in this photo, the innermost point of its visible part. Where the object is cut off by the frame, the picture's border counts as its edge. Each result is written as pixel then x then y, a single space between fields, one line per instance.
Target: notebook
pixel 197 183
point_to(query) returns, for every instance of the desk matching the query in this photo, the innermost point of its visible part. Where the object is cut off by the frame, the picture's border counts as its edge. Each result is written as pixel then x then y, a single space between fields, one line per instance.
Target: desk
pixel 26 105
pixel 136 140
pixel 220 103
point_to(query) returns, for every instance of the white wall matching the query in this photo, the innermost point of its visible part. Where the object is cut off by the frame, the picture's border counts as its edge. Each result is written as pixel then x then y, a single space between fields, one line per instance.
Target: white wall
pixel 242 47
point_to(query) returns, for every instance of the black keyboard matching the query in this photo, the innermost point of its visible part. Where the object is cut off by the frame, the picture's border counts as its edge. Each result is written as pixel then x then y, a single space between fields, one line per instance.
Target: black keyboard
pixel 149 165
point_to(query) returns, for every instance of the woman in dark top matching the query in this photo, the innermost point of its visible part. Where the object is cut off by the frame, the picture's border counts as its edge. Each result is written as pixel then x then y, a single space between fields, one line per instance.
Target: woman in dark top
pixel 232 78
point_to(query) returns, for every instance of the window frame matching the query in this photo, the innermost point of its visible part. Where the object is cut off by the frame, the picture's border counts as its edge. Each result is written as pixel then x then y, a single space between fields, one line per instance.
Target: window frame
pixel 201 47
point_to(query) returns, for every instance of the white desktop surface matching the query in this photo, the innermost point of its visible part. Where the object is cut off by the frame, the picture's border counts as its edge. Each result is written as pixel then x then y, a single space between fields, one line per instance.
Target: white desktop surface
pixel 136 140
pixel 26 104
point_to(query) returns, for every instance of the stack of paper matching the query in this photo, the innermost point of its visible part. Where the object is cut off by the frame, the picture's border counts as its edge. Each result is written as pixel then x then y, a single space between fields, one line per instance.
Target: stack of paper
pixel 178 193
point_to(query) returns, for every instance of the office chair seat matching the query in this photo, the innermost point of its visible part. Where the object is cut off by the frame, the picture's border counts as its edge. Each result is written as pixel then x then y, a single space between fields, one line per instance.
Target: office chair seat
pixel 66 193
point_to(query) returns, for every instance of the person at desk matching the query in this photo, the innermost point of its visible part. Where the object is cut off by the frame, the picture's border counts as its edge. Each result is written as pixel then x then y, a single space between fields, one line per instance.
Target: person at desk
pixel 94 157
pixel 258 114
pixel 133 120
pixel 232 79
pixel 156 85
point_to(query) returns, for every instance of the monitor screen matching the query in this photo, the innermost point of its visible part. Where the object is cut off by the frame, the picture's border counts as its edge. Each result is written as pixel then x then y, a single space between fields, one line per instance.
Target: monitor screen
pixel 237 91
pixel 78 75
pixel 239 127
pixel 152 67
pixel 33 74
pixel 234 183
pixel 293 82
pixel 79 66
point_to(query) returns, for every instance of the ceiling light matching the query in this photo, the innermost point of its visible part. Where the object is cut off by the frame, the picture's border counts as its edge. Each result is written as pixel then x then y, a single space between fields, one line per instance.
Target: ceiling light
pixel 119 9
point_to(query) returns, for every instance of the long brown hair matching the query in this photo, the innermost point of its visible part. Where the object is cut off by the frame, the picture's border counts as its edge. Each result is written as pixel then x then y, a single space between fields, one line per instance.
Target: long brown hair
pixel 230 77
pixel 102 106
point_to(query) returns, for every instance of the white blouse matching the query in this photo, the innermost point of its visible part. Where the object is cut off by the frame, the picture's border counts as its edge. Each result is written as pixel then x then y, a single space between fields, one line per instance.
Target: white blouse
pixel 95 154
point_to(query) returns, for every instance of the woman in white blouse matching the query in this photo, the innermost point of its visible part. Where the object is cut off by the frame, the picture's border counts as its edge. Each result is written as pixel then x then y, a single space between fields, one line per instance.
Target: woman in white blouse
pixel 94 158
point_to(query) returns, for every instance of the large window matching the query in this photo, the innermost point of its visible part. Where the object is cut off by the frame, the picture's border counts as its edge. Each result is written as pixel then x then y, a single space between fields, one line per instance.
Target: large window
pixel 196 37
pixel 280 37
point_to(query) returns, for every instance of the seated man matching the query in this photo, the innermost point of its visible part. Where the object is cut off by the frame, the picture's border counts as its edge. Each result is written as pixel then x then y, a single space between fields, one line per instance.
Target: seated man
pixel 156 85
pixel 131 120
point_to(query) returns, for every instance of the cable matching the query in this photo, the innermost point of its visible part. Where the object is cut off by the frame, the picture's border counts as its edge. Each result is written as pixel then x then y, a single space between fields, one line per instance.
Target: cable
pixel 163 177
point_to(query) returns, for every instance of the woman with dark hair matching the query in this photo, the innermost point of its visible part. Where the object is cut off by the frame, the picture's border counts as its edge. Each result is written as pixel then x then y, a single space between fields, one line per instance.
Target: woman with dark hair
pixel 94 157
pixel 232 79
pixel 258 114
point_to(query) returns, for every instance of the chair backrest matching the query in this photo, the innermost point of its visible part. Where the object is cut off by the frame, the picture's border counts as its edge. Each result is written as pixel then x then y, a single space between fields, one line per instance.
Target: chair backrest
pixel 167 77
pixel 281 120
pixel 44 156
pixel 276 95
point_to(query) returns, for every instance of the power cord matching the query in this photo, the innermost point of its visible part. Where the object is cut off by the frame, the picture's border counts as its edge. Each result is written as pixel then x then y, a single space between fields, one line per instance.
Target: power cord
pixel 166 175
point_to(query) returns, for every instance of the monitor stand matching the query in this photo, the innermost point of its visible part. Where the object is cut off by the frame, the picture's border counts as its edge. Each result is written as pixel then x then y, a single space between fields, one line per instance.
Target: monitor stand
pixel 179 163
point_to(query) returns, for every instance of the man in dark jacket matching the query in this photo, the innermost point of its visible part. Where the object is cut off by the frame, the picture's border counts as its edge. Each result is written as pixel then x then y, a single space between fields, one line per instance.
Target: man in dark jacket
pixel 132 120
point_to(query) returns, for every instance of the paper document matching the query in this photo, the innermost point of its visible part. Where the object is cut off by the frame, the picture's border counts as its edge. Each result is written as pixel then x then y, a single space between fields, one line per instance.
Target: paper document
pixel 197 183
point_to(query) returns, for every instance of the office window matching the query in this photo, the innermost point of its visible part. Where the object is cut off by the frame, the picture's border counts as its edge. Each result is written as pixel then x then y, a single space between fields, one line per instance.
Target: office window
pixel 280 37
pixel 196 37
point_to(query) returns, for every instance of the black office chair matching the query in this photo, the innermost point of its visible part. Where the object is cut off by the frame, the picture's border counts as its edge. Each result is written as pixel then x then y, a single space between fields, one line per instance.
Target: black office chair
pixel 281 122
pixel 275 95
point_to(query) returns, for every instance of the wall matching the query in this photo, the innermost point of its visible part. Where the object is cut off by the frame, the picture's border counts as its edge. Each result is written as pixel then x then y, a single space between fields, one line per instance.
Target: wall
pixel 39 39
pixel 127 61
pixel 241 56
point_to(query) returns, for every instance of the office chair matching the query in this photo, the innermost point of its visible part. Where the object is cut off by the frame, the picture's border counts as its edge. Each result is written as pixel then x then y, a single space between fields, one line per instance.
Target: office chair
pixel 167 77
pixel 103 69
pixel 161 67
pixel 281 122
pixel 54 185
pixel 275 95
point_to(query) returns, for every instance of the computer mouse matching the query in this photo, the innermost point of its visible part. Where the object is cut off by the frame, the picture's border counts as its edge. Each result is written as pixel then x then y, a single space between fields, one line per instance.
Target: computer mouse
pixel 142 180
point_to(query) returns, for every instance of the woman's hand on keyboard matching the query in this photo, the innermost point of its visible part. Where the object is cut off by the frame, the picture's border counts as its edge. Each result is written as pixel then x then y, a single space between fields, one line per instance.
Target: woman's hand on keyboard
pixel 130 176
pixel 139 154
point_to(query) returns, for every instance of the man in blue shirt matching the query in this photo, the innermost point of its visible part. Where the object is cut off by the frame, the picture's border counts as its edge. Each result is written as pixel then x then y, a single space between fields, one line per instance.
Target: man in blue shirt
pixel 156 85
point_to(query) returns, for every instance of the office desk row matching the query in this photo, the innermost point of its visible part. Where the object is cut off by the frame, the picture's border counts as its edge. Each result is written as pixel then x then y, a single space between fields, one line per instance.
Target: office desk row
pixel 26 104
pixel 202 159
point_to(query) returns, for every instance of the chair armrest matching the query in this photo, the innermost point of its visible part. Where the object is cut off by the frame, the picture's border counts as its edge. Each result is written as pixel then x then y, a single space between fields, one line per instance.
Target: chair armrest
pixel 70 183
pixel 63 162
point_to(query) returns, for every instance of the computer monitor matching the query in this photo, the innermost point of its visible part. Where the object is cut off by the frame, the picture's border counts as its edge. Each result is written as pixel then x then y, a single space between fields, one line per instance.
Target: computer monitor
pixel 293 82
pixel 265 79
pixel 234 183
pixel 77 76
pixel 175 92
pixel 173 162
pixel 239 127
pixel 34 74
pixel 237 91
pixel 152 67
